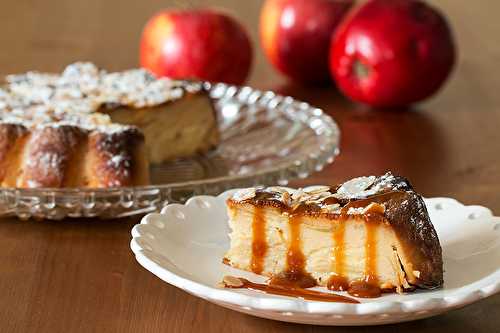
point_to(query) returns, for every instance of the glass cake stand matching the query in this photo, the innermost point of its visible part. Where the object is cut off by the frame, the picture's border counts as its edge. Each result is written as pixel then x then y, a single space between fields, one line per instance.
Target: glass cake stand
pixel 265 139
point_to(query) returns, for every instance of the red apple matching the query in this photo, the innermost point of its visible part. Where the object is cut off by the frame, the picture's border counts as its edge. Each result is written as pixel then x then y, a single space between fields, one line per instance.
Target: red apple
pixel 392 53
pixel 295 35
pixel 202 44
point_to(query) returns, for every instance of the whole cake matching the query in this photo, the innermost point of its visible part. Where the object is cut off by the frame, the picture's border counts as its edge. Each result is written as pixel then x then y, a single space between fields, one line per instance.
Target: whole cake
pixel 365 236
pixel 86 127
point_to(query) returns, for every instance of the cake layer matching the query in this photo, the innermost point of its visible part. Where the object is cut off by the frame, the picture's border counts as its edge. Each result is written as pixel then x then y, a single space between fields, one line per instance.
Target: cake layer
pixel 369 234
pixel 176 129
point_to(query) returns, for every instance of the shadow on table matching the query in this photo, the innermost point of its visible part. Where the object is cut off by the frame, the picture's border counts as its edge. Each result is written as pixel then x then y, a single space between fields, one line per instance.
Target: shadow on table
pixel 13 225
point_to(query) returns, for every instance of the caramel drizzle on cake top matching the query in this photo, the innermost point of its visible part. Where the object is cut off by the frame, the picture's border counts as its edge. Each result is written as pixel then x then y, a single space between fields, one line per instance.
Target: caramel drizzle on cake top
pixel 320 200
pixel 259 243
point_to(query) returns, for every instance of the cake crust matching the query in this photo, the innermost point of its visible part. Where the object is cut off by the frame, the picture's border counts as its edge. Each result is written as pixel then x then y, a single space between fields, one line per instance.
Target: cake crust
pixel 69 156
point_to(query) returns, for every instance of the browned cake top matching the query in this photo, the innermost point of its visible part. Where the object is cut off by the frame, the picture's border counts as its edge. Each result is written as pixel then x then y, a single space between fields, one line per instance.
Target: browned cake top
pixel 348 197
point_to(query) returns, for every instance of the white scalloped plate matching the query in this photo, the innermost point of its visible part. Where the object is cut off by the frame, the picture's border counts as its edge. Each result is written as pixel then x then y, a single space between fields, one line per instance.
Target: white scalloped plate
pixel 184 246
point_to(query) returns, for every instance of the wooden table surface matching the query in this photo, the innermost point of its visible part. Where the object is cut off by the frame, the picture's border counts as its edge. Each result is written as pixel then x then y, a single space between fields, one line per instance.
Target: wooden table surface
pixel 80 276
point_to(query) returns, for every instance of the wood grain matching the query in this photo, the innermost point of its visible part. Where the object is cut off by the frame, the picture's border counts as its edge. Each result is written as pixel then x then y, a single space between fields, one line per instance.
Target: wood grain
pixel 80 276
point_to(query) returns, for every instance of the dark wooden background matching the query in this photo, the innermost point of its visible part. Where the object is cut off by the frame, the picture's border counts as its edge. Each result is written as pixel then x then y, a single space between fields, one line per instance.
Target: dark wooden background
pixel 80 276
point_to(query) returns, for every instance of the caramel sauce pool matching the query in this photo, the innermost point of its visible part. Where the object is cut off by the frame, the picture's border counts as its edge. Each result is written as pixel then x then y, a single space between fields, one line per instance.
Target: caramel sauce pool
pixel 311 295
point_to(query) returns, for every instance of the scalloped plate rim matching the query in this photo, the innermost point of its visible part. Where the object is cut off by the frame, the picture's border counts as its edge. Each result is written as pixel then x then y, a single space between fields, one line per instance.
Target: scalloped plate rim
pixel 262 302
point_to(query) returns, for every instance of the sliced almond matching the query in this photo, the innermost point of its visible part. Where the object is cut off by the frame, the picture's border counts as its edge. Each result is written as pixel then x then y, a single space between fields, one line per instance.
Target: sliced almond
pixel 286 198
pixel 332 208
pixel 278 189
pixel 398 269
pixel 244 194
pixel 355 187
pixel 232 282
pixel 374 208
pixel 316 189
pixel 324 195
pixel 319 196
pixel 297 195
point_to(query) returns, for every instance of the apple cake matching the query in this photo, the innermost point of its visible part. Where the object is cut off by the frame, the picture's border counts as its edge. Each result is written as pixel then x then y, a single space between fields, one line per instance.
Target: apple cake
pixel 86 127
pixel 366 236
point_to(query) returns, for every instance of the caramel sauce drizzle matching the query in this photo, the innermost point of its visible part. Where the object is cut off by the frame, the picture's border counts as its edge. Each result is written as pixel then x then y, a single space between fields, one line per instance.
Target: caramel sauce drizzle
pixel 294 275
pixel 371 249
pixel 337 281
pixel 295 258
pixel 294 279
pixel 259 243
pixel 311 295
pixel 368 287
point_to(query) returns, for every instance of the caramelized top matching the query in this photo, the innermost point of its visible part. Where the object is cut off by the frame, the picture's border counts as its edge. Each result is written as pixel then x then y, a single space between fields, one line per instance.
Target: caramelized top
pixel 351 197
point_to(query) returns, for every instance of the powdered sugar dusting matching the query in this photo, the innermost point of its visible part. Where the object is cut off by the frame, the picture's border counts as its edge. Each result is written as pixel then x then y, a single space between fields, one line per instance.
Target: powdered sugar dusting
pixel 47 162
pixel 75 95
pixel 120 163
